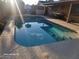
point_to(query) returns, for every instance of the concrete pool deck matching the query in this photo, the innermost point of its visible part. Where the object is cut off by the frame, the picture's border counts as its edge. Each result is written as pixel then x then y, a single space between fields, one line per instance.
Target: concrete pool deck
pixel 68 49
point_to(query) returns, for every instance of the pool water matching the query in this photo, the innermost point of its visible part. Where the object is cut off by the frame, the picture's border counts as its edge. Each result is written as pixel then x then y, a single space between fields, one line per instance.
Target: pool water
pixel 38 31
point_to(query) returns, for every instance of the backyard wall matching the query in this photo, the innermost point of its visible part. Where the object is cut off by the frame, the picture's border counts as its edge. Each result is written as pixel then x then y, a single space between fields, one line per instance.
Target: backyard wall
pixel 40 10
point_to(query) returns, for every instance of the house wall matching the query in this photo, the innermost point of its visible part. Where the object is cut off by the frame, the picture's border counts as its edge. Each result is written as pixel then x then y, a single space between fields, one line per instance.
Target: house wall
pixel 74 17
pixel 64 8
pixel 59 8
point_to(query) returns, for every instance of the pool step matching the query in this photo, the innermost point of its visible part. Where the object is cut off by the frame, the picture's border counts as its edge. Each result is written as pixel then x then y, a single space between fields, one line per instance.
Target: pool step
pixel 61 35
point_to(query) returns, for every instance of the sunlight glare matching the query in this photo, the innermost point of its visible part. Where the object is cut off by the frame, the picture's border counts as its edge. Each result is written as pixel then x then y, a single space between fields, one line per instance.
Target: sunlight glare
pixel 13 7
pixel 12 2
pixel 56 0
pixel 31 2
pixel 21 16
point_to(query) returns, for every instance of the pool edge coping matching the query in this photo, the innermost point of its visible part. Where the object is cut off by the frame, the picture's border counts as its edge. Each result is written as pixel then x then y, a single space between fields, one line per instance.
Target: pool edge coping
pixel 64 24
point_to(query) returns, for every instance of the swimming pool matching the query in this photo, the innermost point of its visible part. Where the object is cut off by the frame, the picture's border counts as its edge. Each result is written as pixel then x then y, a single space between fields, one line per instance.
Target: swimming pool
pixel 36 30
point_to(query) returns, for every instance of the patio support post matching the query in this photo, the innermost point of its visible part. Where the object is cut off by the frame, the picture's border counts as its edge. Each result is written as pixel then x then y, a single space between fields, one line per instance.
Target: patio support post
pixel 69 12
pixel 44 10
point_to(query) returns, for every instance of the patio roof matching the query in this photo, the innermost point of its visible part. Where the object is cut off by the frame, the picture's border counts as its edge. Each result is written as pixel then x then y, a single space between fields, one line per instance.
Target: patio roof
pixel 58 2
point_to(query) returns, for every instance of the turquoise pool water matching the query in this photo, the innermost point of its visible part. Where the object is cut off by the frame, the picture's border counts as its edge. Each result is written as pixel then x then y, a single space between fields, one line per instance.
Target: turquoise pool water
pixel 38 31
